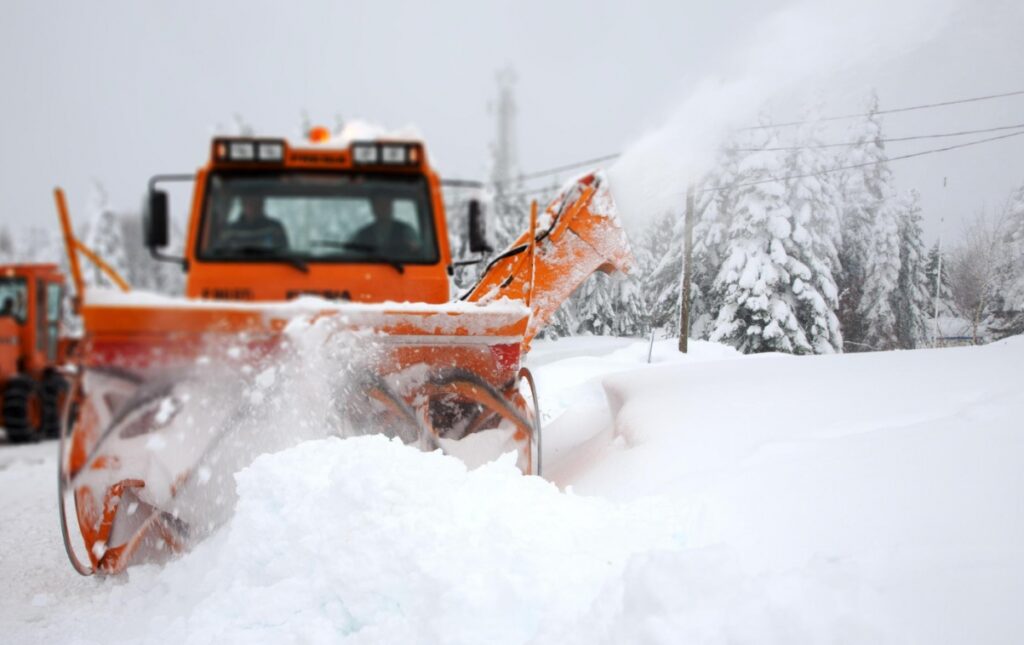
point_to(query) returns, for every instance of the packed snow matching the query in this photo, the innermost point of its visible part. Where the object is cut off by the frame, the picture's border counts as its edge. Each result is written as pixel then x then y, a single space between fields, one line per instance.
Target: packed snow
pixel 711 497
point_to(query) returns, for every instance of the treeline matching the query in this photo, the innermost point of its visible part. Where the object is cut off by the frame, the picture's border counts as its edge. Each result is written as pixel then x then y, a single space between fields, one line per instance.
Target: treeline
pixel 115 236
pixel 803 247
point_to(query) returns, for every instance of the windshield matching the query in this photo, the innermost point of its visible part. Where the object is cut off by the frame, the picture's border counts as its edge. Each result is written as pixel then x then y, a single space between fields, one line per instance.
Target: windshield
pixel 13 298
pixel 318 217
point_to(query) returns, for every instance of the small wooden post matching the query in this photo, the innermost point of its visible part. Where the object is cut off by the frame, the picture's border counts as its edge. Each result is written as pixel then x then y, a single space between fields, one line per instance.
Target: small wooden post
pixel 684 318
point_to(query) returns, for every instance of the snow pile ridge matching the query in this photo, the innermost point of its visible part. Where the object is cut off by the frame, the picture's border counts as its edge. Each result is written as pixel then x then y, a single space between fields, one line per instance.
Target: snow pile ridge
pixel 368 540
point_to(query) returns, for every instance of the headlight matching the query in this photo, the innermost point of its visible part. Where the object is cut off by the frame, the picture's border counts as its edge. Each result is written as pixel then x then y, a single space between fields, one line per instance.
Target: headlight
pixel 271 151
pixel 390 154
pixel 365 153
pixel 393 154
pixel 241 151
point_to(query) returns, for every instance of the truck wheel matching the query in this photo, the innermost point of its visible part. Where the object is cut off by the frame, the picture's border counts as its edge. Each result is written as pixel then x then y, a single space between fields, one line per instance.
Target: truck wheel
pixel 22 410
pixel 53 393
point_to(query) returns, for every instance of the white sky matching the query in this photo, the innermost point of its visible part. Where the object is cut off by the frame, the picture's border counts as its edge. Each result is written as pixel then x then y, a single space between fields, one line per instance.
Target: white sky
pixel 119 91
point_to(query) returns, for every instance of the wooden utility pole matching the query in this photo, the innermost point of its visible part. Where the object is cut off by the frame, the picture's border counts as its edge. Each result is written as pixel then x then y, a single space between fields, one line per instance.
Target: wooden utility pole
pixel 684 317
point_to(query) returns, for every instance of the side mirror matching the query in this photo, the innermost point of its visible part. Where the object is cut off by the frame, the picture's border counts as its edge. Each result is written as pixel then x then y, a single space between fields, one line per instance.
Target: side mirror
pixel 478 242
pixel 156 225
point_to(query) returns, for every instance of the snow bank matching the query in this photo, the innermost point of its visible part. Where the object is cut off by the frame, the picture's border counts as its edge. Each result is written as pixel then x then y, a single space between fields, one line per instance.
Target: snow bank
pixel 573 403
pixel 886 485
pixel 367 540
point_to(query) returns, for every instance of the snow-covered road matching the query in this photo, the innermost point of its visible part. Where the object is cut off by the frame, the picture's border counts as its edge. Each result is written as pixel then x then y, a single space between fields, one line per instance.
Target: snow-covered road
pixel 713 498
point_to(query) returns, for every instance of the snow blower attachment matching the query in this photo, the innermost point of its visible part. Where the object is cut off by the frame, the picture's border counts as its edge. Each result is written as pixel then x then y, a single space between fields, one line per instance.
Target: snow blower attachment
pixel 321 268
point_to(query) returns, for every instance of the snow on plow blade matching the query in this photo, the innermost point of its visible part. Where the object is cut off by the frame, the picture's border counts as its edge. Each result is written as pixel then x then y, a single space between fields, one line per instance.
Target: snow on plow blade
pixel 173 396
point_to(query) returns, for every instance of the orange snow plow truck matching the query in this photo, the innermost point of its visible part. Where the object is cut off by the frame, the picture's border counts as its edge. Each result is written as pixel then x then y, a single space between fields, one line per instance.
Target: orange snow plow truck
pixel 349 242
pixel 32 389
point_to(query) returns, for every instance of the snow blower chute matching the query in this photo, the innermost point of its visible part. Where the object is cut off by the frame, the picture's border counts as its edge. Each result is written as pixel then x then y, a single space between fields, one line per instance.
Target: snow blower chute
pixel 351 239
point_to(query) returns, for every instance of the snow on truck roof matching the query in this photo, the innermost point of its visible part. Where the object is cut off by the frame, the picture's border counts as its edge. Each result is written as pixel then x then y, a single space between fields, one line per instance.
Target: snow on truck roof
pixel 358 130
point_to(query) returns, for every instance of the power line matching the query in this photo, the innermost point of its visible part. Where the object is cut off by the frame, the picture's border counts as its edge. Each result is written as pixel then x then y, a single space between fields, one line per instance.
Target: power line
pixel 943 135
pixel 909 108
pixel 923 106
pixel 920 153
pixel 557 169
pixel 911 155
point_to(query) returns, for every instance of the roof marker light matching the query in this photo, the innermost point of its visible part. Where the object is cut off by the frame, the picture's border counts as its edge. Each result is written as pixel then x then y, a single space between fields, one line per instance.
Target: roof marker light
pixel 319 134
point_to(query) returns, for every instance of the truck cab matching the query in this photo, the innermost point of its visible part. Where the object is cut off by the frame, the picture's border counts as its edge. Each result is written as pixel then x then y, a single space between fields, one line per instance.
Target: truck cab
pixel 31 348
pixel 271 221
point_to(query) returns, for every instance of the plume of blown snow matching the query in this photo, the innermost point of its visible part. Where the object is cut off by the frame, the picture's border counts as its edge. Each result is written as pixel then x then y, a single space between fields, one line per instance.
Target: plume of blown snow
pixel 797 47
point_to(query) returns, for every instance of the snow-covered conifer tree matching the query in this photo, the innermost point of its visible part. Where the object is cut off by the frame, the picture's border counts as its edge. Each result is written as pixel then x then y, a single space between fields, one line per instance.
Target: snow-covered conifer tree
pixel 595 306
pixel 715 203
pixel 6 245
pixel 866 195
pixel 665 244
pixel 813 199
pixel 758 277
pixel 662 242
pixel 1009 317
pixel 876 309
pixel 911 296
pixel 932 273
pixel 104 237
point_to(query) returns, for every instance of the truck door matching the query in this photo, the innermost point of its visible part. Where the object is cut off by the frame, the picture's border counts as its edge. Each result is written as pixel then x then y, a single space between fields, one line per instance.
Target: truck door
pixel 48 317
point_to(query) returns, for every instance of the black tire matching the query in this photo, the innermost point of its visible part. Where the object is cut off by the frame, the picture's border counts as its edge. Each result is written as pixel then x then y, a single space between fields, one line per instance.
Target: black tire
pixel 22 407
pixel 53 392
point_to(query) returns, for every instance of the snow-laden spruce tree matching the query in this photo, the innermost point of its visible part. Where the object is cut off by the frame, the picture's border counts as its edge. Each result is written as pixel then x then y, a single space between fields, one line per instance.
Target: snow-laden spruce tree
pixel 1009 316
pixel 665 242
pixel 660 265
pixel 937 274
pixel 143 271
pixel 715 203
pixel 911 300
pixel 105 238
pixel 630 316
pixel 758 279
pixel 813 198
pixel 6 245
pixel 866 195
pixel 877 307
pixel 595 304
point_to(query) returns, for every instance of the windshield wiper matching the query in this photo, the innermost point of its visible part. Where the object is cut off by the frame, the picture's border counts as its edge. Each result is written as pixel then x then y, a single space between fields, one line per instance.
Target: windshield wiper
pixel 271 255
pixel 362 248
pixel 345 246
pixel 398 266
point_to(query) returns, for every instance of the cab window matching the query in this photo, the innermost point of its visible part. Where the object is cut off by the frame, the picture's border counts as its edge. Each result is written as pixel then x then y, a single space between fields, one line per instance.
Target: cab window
pixel 14 298
pixel 318 217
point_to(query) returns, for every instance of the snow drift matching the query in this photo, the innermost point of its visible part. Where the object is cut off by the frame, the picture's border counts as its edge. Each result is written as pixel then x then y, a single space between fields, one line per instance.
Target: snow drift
pixel 873 496
pixel 368 540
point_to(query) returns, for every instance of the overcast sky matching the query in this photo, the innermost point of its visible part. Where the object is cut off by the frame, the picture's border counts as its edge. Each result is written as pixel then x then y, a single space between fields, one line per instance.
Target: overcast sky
pixel 118 91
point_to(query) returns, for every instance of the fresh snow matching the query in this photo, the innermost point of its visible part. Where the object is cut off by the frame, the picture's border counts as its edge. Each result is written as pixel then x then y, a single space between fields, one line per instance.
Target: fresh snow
pixel 711 497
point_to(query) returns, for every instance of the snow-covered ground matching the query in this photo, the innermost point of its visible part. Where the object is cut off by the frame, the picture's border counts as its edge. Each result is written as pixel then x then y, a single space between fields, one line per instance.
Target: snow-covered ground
pixel 708 498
